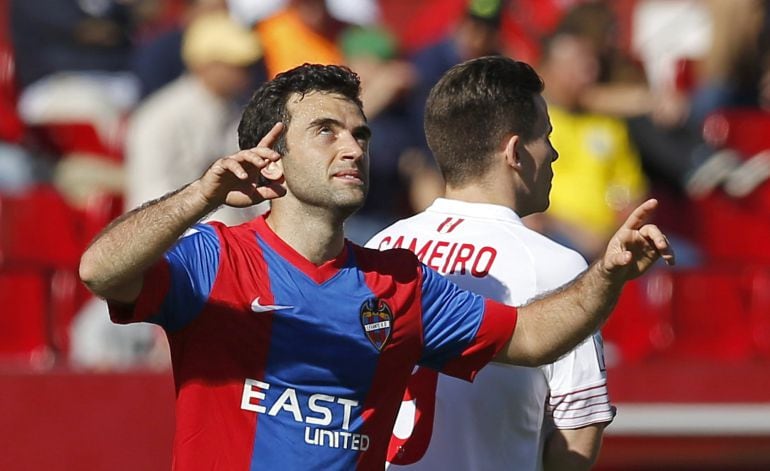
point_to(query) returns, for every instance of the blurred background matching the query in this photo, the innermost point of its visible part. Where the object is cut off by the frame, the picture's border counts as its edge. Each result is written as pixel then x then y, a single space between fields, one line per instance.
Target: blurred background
pixel 105 104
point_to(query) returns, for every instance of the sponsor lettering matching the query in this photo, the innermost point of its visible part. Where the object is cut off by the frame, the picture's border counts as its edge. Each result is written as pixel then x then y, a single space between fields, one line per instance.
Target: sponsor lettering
pixel 322 410
pixel 336 439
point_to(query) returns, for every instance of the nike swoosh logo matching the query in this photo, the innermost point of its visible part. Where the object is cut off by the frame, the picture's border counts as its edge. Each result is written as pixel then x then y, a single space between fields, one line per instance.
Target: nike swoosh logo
pixel 257 307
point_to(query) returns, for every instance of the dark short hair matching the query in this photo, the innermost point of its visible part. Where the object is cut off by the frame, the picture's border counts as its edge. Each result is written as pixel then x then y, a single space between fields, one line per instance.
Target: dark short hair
pixel 472 108
pixel 268 104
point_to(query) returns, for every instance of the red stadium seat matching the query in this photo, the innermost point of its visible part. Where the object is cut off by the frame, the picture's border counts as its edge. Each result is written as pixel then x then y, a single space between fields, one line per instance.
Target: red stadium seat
pixel 63 138
pixel 746 130
pixel 640 326
pixel 711 319
pixel 11 127
pixel 732 231
pixel 39 229
pixel 759 309
pixel 67 296
pixel 24 336
pixel 736 228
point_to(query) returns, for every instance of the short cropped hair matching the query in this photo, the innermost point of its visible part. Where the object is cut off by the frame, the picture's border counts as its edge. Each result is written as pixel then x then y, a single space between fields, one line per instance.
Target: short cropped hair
pixel 268 104
pixel 471 109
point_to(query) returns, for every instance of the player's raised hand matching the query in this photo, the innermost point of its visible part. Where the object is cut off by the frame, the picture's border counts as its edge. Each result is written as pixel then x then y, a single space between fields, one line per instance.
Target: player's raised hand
pixel 236 180
pixel 636 246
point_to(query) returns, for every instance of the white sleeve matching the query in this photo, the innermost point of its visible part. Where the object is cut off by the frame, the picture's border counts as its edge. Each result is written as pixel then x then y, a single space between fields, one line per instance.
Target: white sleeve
pixel 578 387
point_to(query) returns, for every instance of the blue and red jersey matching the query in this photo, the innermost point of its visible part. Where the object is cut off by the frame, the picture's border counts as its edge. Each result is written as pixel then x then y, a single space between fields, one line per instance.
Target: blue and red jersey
pixel 282 364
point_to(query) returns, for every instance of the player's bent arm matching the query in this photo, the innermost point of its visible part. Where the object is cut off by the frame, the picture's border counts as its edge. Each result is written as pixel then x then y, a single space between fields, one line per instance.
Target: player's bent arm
pixel 575 449
pixel 113 265
pixel 554 324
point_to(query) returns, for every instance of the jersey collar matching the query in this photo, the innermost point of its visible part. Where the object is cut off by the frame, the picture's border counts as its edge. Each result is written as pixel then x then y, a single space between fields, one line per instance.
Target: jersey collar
pixel 473 210
pixel 318 273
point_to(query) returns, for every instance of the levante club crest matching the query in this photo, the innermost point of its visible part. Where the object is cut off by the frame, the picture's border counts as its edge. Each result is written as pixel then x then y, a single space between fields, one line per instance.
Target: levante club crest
pixel 377 321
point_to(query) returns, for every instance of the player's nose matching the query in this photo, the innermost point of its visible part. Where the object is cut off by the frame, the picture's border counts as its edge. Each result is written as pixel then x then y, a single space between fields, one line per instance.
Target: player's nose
pixel 351 148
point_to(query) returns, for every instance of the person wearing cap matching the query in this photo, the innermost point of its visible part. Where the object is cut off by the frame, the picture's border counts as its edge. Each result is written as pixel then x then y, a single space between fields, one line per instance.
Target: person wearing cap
pixel 477 34
pixel 172 138
pixel 185 126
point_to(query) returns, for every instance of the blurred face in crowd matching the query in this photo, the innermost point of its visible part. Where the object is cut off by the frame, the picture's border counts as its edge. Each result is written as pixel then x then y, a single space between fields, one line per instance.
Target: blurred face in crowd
pixel 327 162
pixel 225 80
pixel 573 66
pixel 476 39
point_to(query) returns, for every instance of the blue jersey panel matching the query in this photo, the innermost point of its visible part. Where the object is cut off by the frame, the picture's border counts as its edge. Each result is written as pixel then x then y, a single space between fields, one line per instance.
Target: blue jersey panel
pixel 320 368
pixel 450 316
pixel 193 263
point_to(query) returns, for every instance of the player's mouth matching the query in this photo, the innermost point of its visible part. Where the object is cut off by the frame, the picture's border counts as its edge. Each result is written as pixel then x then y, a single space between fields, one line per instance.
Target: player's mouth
pixel 350 175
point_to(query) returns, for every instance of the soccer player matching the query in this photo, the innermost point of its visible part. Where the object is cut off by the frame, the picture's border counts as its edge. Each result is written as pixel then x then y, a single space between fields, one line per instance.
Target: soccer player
pixel 488 128
pixel 290 346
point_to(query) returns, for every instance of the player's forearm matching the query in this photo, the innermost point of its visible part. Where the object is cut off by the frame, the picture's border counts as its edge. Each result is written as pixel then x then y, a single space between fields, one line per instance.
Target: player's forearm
pixel 112 267
pixel 553 324
pixel 573 449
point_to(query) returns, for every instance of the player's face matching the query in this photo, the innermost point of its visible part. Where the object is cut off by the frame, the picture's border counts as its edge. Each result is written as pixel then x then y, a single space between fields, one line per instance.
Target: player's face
pixel 538 155
pixel 327 164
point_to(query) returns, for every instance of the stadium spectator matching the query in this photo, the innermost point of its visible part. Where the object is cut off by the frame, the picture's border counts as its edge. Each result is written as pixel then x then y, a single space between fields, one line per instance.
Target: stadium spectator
pixel 313 31
pixel 72 66
pixel 477 34
pixel 600 177
pixel 665 103
pixel 158 60
pixel 19 168
pixel 184 127
pixel 673 152
pixel 732 64
pixel 386 82
pixel 173 137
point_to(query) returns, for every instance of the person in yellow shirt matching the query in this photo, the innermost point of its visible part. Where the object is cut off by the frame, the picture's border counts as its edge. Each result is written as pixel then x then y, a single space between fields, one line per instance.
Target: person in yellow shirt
pixel 600 178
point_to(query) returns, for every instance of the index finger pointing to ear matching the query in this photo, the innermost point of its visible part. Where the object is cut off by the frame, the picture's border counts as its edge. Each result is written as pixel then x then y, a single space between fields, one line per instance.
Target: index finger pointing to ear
pixel 272 136
pixel 638 217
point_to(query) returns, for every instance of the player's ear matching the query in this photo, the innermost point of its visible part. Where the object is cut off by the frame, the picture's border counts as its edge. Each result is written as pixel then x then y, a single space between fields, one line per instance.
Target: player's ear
pixel 273 170
pixel 512 149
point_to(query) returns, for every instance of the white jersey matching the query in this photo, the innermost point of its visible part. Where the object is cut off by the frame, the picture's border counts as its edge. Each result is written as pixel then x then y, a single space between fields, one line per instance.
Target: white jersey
pixel 500 420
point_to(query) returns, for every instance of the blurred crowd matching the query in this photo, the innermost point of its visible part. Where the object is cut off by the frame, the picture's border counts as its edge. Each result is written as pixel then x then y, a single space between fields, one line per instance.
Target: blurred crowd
pixel 130 99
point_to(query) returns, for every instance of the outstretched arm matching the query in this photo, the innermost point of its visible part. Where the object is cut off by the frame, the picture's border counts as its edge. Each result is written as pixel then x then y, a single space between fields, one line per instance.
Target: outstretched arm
pixel 555 323
pixel 113 265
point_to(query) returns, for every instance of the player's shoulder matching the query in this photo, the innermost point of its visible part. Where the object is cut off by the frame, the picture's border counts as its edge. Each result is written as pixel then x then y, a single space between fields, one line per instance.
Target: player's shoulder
pixel 200 232
pixel 561 253
pixel 548 248
pixel 221 236
pixel 554 263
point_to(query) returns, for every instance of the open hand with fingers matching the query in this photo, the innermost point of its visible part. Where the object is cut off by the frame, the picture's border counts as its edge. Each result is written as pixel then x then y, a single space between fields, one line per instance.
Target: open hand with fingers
pixel 247 177
pixel 636 246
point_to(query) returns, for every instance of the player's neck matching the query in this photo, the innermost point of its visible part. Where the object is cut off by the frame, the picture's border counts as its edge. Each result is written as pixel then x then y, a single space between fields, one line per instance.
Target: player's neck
pixel 482 193
pixel 317 237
